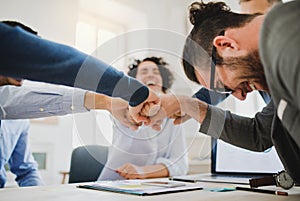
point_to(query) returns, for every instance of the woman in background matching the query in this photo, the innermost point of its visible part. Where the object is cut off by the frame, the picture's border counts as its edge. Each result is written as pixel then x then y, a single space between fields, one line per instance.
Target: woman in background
pixel 146 153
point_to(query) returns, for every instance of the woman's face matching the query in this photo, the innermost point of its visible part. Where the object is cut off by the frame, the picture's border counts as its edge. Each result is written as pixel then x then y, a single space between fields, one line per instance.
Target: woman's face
pixel 149 74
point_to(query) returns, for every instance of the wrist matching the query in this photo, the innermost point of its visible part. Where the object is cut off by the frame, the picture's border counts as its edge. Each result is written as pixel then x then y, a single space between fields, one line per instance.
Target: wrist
pixel 89 100
pixel 170 103
pixel 195 108
pixel 97 101
pixel 154 171
pixel 203 107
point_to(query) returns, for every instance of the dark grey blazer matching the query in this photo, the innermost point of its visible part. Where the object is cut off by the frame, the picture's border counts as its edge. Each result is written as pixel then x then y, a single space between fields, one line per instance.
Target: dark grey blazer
pixel 256 134
pixel 280 54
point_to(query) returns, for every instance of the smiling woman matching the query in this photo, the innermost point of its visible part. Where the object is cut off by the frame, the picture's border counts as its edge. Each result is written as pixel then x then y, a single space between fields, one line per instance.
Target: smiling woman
pixel 147 153
pixel 153 72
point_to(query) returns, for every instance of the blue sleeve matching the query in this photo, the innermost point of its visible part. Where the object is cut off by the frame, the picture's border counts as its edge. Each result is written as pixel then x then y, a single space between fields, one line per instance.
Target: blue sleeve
pixel 210 97
pixel 265 96
pixel 22 163
pixel 24 55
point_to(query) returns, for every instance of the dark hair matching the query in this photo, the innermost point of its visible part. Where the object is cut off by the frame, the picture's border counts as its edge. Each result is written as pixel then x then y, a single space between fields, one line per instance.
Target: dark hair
pixel 167 76
pixel 19 24
pixel 209 19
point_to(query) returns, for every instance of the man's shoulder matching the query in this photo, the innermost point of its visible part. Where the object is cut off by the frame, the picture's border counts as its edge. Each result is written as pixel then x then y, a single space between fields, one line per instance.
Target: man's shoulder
pixel 14 126
pixel 283 13
pixel 15 122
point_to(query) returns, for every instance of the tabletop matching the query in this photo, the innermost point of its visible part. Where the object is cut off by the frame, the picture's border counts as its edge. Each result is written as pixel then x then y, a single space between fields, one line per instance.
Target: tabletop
pixel 69 192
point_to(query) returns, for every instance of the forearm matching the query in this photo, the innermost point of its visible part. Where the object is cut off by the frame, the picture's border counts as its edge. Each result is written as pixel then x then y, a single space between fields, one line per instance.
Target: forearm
pixel 181 108
pixel 97 101
pixel 40 101
pixel 154 171
pixel 173 104
pixel 193 107
pixel 250 133
pixel 27 56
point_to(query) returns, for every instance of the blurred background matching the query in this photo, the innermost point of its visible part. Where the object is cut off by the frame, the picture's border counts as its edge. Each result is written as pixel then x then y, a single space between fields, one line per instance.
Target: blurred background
pixel 95 24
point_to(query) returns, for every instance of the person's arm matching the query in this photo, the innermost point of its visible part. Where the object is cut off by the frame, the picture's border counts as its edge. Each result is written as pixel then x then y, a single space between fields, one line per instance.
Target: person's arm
pixel 131 171
pixel 171 104
pixel 51 100
pixel 117 107
pixel 229 127
pixel 250 133
pixel 21 162
pixel 40 101
pixel 222 124
pixel 208 96
pixel 24 55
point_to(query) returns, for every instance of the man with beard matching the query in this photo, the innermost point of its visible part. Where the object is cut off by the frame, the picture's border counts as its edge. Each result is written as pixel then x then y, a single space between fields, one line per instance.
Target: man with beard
pixel 241 62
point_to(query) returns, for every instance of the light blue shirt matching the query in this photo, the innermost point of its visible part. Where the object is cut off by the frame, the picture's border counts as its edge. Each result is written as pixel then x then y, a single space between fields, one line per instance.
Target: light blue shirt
pixel 147 147
pixel 30 102
pixel 40 101
pixel 15 151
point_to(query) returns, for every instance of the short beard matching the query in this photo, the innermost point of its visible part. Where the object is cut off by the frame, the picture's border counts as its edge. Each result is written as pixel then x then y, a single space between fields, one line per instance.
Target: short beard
pixel 250 66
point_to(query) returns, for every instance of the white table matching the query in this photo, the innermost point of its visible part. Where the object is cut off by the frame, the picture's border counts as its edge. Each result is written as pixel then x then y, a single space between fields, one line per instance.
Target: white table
pixel 69 192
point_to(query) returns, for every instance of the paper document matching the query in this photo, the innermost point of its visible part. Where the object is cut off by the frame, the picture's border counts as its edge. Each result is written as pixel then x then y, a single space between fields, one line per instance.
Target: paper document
pixel 136 187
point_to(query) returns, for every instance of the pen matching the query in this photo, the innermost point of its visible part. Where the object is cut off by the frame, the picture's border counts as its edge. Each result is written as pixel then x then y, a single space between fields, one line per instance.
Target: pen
pixel 262 191
pixel 183 180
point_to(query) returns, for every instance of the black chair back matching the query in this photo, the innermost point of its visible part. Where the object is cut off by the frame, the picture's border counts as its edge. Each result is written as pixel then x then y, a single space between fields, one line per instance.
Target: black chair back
pixel 87 163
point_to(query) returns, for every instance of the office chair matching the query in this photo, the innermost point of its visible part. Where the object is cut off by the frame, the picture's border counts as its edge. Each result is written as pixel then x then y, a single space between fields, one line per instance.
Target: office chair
pixel 87 163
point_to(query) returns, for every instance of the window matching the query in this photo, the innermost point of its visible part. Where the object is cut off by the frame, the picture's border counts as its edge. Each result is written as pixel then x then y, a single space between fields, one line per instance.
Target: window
pixel 40 158
pixel 91 33
pixel 98 22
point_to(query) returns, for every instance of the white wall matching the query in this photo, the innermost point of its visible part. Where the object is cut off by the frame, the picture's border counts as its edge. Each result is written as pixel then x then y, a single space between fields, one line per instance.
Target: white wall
pixel 54 20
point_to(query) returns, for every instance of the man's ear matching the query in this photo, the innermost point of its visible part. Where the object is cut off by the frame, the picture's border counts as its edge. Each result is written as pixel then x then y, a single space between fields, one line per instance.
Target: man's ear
pixel 226 46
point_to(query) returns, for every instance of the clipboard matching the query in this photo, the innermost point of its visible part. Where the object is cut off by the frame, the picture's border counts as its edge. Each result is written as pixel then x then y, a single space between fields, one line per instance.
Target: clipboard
pixel 136 187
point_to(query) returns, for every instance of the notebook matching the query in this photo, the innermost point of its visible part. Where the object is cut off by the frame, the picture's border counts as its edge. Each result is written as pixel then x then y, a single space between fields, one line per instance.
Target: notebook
pixel 141 187
pixel 231 164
